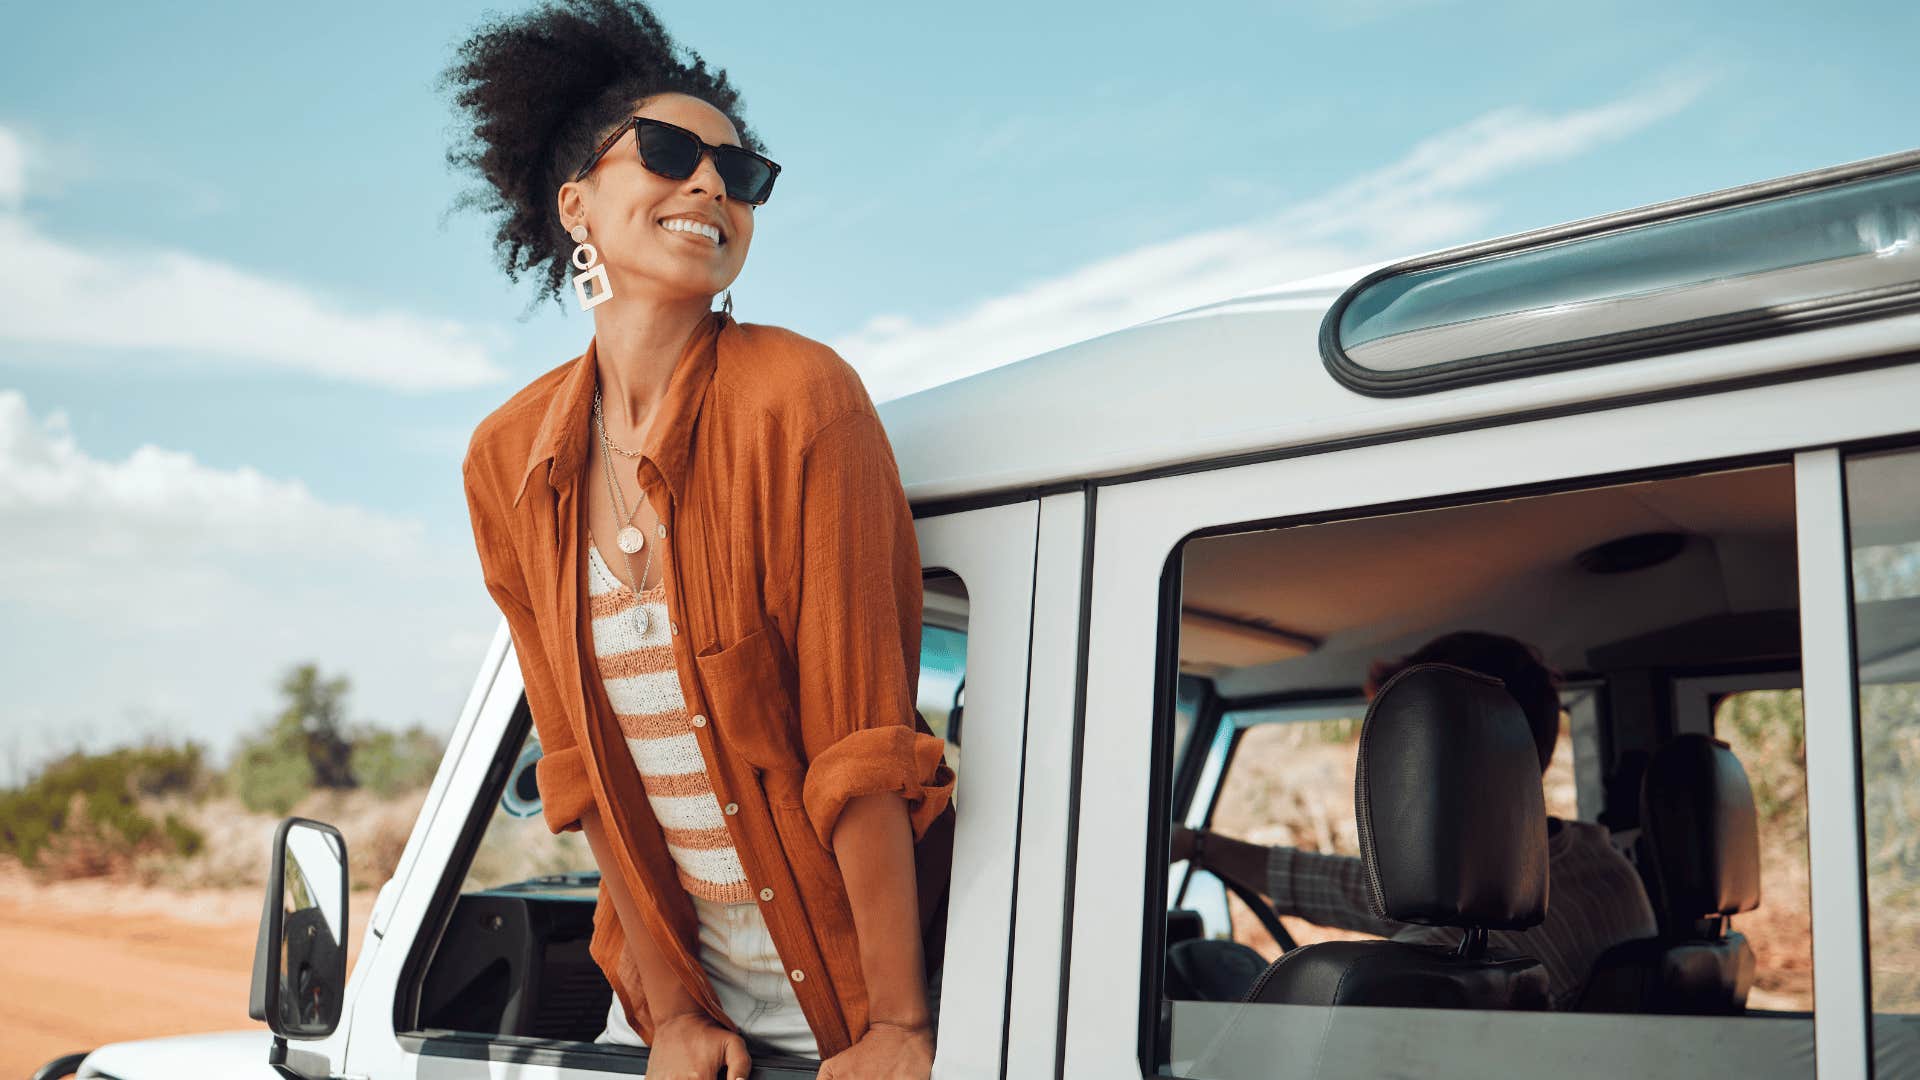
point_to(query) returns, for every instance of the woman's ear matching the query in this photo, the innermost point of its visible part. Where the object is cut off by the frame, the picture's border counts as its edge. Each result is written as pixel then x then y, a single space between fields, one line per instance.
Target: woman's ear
pixel 571 204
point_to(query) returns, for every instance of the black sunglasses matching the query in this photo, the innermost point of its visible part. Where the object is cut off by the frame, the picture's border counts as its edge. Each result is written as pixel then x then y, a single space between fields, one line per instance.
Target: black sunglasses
pixel 674 152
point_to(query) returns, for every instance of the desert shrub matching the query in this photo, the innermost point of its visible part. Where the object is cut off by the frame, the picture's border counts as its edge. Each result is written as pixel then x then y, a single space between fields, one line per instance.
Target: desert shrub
pixel 81 814
pixel 302 747
pixel 1890 755
pixel 1768 733
pixel 182 838
pixel 270 771
pixel 388 763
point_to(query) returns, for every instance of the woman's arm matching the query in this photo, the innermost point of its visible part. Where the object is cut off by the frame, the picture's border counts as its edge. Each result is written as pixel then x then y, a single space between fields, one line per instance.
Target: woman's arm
pixel 666 998
pixel 686 1042
pixel 874 845
pixel 875 782
pixel 561 775
pixel 873 841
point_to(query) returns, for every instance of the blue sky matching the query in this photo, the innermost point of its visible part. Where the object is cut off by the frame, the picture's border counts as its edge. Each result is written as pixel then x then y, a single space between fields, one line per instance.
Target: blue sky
pixel 243 342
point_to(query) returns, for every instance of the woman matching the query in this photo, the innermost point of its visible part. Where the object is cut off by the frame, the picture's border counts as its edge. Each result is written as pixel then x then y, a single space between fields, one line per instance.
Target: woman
pixel 697 533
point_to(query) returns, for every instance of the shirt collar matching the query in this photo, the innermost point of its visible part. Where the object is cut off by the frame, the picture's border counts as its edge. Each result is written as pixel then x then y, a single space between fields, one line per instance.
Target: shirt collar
pixel 568 423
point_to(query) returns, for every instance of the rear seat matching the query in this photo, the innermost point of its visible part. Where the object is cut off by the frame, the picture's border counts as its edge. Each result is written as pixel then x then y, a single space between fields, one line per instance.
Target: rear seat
pixel 1699 853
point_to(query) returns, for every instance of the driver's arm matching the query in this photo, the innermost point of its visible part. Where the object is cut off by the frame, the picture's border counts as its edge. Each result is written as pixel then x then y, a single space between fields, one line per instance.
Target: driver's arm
pixel 1327 889
pixel 1330 890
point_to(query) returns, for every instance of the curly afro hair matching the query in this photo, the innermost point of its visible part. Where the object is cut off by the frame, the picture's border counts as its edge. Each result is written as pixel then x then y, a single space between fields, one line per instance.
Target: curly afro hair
pixel 539 90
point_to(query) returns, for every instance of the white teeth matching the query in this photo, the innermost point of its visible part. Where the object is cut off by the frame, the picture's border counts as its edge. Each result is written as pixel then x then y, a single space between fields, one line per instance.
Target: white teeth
pixel 699 228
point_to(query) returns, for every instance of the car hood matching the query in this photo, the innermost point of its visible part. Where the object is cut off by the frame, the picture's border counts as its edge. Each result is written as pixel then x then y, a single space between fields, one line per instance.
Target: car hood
pixel 240 1054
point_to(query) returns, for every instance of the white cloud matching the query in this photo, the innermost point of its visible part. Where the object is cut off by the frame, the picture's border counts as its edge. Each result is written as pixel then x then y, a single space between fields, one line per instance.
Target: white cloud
pixel 158 586
pixel 1418 202
pixel 13 170
pixel 75 512
pixel 54 292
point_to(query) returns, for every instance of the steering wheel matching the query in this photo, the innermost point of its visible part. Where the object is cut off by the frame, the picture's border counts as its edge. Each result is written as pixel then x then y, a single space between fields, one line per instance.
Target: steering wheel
pixel 1216 970
pixel 1263 911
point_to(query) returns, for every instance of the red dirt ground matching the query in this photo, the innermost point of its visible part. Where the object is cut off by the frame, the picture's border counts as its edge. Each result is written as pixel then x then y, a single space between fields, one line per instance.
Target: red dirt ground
pixel 95 961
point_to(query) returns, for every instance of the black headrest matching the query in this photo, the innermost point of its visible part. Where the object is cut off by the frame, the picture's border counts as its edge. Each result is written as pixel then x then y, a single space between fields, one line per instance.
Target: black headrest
pixel 1446 793
pixel 1700 830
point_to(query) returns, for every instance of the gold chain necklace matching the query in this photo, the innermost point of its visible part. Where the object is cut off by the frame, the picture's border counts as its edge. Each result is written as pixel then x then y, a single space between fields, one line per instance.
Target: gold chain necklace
pixel 630 538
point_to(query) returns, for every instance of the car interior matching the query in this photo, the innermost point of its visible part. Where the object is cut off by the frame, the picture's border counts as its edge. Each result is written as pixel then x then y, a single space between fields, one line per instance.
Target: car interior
pixel 1660 602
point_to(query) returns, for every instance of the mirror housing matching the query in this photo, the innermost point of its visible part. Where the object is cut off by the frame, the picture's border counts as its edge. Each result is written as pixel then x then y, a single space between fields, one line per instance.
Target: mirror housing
pixel 300 959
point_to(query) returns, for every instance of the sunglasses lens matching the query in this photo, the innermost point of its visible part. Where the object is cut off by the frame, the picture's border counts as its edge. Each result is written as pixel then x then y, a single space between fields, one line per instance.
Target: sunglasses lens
pixel 672 154
pixel 747 177
pixel 675 154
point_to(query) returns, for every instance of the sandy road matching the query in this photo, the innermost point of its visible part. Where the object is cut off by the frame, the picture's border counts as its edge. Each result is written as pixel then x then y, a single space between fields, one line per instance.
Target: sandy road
pixel 86 963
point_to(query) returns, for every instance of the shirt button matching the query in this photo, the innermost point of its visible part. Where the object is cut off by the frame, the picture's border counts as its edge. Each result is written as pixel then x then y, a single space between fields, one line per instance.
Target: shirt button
pixel 663 528
pixel 733 808
pixel 766 894
pixel 674 626
pixel 699 721
pixel 797 974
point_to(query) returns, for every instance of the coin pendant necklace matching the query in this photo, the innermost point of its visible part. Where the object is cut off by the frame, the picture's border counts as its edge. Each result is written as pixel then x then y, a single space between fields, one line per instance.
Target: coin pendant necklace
pixel 630 538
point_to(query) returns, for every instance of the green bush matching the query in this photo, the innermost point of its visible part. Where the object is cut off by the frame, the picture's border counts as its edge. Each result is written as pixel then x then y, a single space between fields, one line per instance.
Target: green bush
pixel 270 771
pixel 182 838
pixel 96 796
pixel 160 768
pixel 389 763
pixel 304 746
pixel 1768 733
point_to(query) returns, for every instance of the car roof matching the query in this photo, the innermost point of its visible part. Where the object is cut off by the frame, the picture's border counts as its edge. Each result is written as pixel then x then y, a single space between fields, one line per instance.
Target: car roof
pixel 1245 376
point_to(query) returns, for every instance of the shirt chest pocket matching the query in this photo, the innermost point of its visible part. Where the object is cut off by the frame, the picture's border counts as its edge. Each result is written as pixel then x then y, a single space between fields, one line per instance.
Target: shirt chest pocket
pixel 751 713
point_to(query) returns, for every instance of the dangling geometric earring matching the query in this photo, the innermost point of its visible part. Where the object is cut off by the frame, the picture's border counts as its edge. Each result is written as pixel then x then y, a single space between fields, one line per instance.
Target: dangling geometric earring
pixel 586 257
pixel 726 301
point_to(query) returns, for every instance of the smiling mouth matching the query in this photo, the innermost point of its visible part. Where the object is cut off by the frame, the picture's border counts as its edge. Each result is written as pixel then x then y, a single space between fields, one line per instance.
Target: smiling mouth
pixel 696 229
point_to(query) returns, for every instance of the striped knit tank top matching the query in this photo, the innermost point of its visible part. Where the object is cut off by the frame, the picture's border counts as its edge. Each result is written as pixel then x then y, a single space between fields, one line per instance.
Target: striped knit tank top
pixel 644 689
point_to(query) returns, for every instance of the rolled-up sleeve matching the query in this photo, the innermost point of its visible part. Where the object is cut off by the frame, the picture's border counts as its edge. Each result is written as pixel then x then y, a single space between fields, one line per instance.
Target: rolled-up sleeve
pixel 857 632
pixel 561 775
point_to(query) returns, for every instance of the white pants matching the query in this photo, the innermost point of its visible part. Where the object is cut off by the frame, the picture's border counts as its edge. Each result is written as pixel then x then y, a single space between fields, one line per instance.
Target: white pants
pixel 738 954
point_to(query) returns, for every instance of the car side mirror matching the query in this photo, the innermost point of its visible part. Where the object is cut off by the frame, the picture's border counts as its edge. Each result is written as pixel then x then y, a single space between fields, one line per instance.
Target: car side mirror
pixel 300 960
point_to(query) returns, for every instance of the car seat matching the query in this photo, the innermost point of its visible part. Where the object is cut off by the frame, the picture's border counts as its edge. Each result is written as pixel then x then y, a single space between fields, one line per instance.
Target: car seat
pixel 1453 832
pixel 1699 854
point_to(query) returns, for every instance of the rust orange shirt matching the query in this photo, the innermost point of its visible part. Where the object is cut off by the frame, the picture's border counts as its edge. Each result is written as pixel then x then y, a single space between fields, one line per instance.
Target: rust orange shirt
pixel 793 571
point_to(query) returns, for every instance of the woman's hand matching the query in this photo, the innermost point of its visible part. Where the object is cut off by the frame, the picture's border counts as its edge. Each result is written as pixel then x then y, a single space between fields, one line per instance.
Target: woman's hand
pixel 888 1051
pixel 691 1046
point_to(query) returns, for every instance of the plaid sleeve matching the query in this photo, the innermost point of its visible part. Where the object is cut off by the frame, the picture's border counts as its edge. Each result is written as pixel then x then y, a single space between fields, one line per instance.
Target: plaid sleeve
pixel 1330 890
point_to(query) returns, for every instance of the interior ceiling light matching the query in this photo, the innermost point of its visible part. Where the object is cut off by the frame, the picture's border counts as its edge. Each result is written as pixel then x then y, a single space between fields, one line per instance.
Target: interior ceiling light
pixel 1629 553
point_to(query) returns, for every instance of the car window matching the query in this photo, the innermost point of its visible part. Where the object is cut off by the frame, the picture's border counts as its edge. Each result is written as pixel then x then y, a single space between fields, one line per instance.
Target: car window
pixel 517 850
pixel 943 660
pixel 1767 731
pixel 1291 782
pixel 1883 506
pixel 1591 604
pixel 1186 708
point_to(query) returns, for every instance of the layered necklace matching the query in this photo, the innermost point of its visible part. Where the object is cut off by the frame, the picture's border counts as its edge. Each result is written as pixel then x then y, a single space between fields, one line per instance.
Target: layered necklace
pixel 630 539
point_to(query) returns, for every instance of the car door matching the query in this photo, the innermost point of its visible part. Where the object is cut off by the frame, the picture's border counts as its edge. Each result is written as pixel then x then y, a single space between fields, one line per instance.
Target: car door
pixel 1140 530
pixel 480 841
